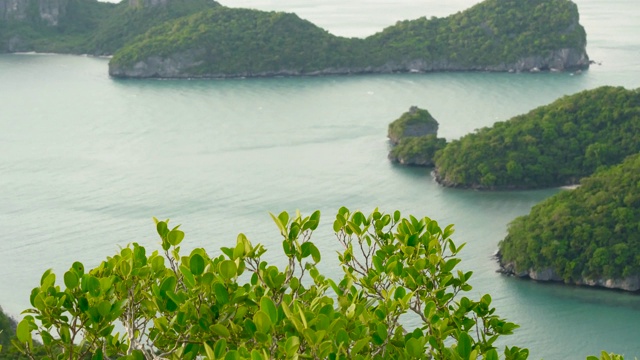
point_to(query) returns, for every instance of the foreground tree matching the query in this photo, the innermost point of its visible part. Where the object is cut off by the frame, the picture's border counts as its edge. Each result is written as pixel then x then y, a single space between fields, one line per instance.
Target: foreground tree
pixel 167 305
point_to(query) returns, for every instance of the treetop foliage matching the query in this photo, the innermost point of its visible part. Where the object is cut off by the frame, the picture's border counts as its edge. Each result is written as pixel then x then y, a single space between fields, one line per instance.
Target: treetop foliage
pixel 234 305
pixel 553 145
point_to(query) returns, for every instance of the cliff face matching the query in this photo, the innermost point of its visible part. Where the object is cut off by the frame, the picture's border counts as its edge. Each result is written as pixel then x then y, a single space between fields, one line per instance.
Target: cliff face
pixel 49 11
pixel 13 9
pixel 169 67
pixel 147 3
pixel 631 283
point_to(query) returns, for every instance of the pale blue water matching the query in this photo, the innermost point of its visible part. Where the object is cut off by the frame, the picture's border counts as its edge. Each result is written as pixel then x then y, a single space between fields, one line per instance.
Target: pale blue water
pixel 86 161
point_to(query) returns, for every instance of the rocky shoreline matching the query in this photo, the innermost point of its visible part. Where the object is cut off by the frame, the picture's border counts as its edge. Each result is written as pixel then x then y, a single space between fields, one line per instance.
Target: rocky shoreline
pixel 630 284
pixel 178 65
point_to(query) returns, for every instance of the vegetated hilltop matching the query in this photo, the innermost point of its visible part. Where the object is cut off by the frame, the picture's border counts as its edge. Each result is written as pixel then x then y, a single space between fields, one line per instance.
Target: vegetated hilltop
pixel 495 35
pixel 84 26
pixel 552 145
pixel 415 138
pixel 588 236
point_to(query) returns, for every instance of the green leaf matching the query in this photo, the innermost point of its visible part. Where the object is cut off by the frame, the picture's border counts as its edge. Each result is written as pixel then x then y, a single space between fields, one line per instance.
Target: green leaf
pixel 464 345
pixel 97 355
pixel 292 345
pixel 78 268
pixel 360 344
pixel 278 223
pixel 233 355
pixel 239 250
pixel 71 280
pixel 104 308
pixel 222 295
pixel 257 355
pixel 220 348
pixel 227 269
pixel 93 286
pixel 493 354
pixel 414 347
pixel 267 305
pixel 47 280
pixel 309 248
pixel 175 237
pixel 162 229
pixel 209 351
pixel 23 331
pixel 169 283
pixel 315 218
pixel 262 321
pixel 189 279
pixel 400 293
pixel 196 264
pixel 284 218
pixel 220 330
pixel 450 265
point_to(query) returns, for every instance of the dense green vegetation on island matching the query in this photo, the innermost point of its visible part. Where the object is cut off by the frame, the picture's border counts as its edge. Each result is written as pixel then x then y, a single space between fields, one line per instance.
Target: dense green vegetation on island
pixel 201 38
pixel 498 35
pixel 589 233
pixel 86 26
pixel 490 33
pixel 232 39
pixel 552 145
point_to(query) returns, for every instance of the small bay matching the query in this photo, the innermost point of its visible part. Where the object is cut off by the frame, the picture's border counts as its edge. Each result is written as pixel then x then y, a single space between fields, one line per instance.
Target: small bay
pixel 86 161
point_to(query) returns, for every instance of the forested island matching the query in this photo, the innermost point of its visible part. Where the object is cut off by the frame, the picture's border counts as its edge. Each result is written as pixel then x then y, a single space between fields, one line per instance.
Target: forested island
pixel 201 38
pixel 552 145
pixel 85 26
pixel 414 137
pixel 588 236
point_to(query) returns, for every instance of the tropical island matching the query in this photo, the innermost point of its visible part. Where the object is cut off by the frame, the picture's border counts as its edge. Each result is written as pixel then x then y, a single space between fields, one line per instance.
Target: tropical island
pixel 414 137
pixel 587 236
pixel 201 38
pixel 552 145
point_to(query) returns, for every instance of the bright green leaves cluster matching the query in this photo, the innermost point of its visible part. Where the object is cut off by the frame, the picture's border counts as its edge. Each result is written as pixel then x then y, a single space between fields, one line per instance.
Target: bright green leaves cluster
pixel 395 266
pixel 237 306
pixel 606 356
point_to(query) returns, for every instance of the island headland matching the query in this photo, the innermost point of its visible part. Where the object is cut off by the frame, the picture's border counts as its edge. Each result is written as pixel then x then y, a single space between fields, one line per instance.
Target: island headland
pixel 587 236
pixel 552 145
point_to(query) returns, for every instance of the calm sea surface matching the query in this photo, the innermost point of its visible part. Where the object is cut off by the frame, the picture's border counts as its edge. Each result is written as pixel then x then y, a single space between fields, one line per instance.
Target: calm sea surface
pixel 86 161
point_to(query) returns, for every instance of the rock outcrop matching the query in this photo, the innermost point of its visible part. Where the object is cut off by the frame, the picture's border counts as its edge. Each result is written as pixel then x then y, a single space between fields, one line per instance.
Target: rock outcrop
pixel 49 11
pixel 147 3
pixel 156 66
pixel 414 137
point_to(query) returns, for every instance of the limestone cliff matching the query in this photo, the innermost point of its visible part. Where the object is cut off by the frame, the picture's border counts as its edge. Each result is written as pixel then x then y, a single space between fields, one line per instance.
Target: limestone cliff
pixel 631 283
pixel 181 65
pixel 414 137
pixel 147 3
pixel 48 11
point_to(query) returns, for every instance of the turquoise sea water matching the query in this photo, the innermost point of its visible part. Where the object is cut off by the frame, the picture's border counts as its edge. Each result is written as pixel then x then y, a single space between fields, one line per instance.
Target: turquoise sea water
pixel 86 161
